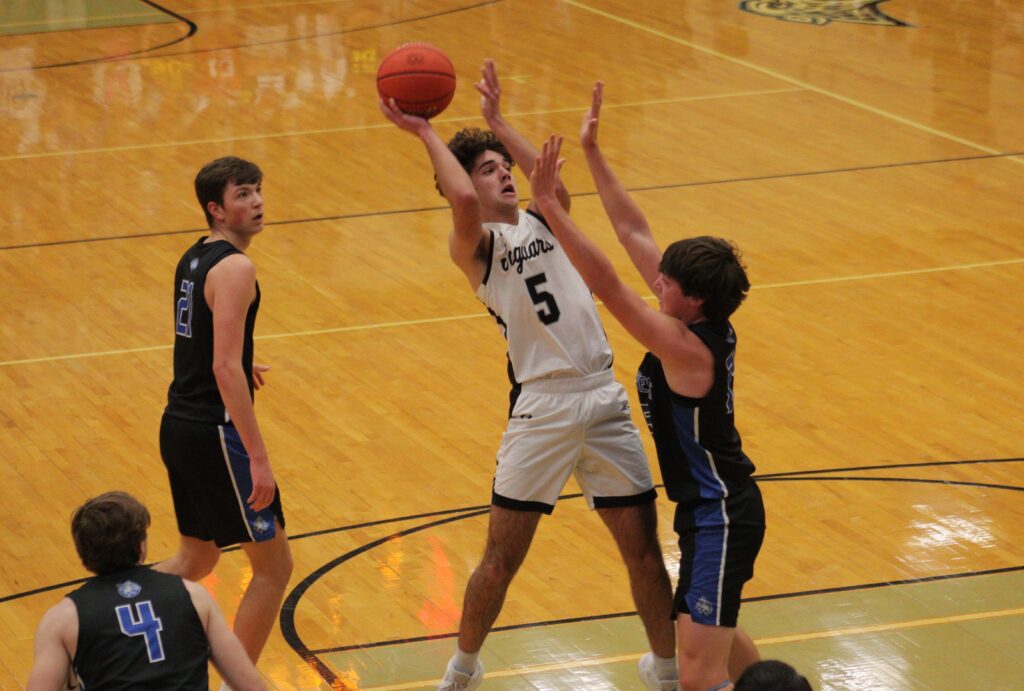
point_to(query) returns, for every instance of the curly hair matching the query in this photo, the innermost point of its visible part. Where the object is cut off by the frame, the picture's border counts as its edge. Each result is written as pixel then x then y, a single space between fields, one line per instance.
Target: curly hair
pixel 710 269
pixel 108 531
pixel 469 143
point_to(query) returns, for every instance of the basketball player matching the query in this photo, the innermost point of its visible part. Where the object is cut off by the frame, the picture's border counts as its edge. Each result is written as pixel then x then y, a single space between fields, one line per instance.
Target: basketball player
pixel 568 415
pixel 685 387
pixel 221 481
pixel 131 627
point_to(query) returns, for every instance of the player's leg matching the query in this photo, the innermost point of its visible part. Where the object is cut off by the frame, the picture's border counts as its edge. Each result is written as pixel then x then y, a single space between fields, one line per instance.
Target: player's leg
pixel 635 531
pixel 509 535
pixel 271 562
pixel 614 475
pixel 742 654
pixel 195 559
pixel 703 654
pixel 186 449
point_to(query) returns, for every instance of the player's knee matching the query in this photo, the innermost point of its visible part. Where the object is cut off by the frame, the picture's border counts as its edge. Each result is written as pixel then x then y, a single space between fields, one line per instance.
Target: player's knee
pixel 496 570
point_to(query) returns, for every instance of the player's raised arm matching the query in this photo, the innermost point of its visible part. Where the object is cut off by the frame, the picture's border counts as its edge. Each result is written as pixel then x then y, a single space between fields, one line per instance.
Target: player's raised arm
pixel 468 239
pixel 630 224
pixel 666 337
pixel 523 152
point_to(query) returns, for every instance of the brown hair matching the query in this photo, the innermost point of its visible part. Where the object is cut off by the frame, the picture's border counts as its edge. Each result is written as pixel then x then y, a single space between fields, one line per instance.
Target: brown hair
pixel 469 143
pixel 109 531
pixel 710 269
pixel 214 177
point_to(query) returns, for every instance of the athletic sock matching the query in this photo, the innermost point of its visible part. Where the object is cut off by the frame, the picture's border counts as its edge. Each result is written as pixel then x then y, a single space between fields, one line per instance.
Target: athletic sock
pixel 465 662
pixel 666 667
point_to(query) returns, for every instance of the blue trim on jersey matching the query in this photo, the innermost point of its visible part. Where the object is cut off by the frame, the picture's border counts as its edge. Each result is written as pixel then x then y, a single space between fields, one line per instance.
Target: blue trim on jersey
pixel 696 456
pixel 261 523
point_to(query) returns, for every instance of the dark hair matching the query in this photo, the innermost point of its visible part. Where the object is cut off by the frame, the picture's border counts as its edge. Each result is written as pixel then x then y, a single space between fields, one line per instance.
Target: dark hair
pixel 710 269
pixel 469 143
pixel 771 675
pixel 215 176
pixel 109 531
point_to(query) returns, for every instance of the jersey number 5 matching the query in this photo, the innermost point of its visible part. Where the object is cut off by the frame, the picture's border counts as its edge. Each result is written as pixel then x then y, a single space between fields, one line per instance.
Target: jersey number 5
pixel 183 319
pixel 548 312
pixel 146 624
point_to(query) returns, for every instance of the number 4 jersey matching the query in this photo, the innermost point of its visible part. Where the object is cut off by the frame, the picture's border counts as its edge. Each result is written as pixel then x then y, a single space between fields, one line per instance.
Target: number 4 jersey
pixel 544 308
pixel 138 629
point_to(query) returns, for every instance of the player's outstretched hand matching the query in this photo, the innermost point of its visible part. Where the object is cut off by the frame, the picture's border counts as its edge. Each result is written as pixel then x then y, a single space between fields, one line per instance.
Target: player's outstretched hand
pixel 546 171
pixel 410 123
pixel 490 91
pixel 588 131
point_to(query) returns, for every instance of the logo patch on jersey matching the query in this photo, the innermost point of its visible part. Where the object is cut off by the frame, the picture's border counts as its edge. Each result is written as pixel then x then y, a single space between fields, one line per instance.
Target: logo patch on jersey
pixel 822 12
pixel 128 589
pixel 518 256
pixel 643 384
pixel 704 607
pixel 260 524
pixel 193 264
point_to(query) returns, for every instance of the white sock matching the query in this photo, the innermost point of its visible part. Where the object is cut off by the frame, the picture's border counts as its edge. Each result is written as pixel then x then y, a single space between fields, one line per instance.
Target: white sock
pixel 666 668
pixel 465 662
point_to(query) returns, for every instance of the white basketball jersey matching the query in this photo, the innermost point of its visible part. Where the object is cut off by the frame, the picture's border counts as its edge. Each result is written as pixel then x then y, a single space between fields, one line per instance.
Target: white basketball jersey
pixel 543 306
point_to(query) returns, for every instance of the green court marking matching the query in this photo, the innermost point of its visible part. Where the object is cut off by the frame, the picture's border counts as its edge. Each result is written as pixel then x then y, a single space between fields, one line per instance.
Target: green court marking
pixel 32 17
pixel 916 637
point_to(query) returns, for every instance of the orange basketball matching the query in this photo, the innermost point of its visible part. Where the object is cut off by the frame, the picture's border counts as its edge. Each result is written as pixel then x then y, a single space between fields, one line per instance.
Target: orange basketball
pixel 419 76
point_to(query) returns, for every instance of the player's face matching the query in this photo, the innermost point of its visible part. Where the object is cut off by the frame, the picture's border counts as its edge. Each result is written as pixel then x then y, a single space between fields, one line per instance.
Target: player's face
pixel 492 178
pixel 243 208
pixel 674 302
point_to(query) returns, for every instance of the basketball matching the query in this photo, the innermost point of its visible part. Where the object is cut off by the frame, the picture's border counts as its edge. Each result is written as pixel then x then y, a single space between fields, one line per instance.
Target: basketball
pixel 419 76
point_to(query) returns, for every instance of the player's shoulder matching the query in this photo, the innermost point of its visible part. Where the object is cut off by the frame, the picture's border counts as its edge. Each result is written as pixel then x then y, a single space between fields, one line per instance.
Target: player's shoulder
pixel 61 615
pixel 234 267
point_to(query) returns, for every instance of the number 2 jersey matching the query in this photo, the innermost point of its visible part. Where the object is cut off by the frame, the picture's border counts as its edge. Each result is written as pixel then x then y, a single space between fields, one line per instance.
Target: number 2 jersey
pixel 544 308
pixel 193 395
pixel 699 449
pixel 138 629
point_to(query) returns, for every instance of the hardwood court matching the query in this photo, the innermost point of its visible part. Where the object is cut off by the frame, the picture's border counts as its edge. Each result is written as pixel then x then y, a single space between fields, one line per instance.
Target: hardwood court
pixel 867 157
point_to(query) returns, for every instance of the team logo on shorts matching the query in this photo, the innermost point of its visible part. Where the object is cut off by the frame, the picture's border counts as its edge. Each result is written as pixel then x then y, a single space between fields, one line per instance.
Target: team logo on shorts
pixel 703 607
pixel 643 384
pixel 260 524
pixel 821 12
pixel 128 589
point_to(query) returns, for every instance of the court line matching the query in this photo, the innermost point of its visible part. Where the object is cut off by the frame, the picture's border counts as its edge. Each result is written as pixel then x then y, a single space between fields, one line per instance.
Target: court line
pixel 786 78
pixel 481 315
pixel 795 638
pixel 383 125
pixel 575 195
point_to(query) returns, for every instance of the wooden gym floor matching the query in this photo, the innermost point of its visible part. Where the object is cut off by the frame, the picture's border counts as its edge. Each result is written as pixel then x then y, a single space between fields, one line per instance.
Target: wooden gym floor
pixel 867 156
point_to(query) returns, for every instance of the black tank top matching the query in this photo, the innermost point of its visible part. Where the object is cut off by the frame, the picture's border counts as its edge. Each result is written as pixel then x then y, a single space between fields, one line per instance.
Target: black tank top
pixel 699 449
pixel 138 629
pixel 193 394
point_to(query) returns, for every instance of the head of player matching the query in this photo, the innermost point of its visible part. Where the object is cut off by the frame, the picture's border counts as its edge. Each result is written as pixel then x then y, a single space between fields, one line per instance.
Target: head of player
pixel 110 532
pixel 230 193
pixel 701 279
pixel 489 165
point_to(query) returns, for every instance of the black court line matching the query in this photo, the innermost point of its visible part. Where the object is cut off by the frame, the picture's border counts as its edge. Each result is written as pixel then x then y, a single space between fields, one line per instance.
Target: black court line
pixel 138 55
pixel 621 615
pixel 481 507
pixel 311 656
pixel 192 29
pixel 578 195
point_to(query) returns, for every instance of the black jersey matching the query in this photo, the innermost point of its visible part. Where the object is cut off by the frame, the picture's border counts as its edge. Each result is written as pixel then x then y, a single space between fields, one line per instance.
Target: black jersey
pixel 193 394
pixel 699 449
pixel 138 629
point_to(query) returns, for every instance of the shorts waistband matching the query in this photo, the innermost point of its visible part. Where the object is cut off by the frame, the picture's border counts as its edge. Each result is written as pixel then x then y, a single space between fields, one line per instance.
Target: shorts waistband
pixel 587 382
